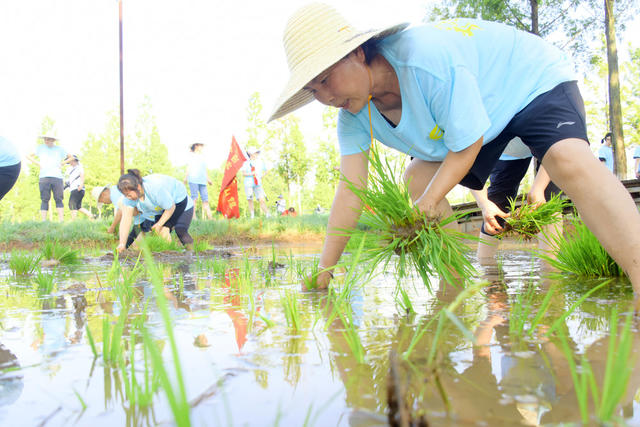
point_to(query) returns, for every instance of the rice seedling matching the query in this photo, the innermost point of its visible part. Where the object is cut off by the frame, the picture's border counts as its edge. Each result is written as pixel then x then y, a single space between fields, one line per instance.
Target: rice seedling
pixel 176 392
pixel 44 283
pixel 397 227
pixel 618 368
pixel 92 342
pixel 289 301
pixel 446 313
pixel 573 306
pixel 53 249
pixel 403 301
pixel 351 336
pixel 156 243
pixel 528 220
pixel 522 307
pixel 138 393
pixel 580 253
pixel 23 263
pixel 200 246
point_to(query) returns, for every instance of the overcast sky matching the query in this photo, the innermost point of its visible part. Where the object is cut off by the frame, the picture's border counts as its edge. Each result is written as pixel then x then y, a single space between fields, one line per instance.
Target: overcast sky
pixel 197 60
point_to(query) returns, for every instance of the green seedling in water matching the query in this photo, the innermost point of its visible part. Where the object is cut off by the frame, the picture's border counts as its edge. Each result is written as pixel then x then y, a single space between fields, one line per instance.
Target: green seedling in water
pixel 200 246
pixel 350 335
pixel 618 368
pixel 444 315
pixel 397 227
pixel 521 309
pixel 528 220
pixel 403 301
pixel 92 342
pixel 176 392
pixel 579 252
pixel 567 313
pixel 289 303
pixel 44 283
pixel 22 263
pixel 52 249
pixel 156 243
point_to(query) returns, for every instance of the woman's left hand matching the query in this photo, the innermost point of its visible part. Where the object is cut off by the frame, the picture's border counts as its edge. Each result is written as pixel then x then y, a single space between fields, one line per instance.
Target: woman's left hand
pixel 157 228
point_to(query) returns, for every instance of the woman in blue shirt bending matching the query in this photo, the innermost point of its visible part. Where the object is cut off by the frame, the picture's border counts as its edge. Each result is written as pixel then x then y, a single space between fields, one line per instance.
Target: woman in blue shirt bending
pixel 160 196
pixel 451 94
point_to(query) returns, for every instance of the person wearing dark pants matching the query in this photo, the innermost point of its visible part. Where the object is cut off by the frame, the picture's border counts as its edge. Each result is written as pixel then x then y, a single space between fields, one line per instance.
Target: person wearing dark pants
pixel 48 157
pixel 10 165
pixel 76 185
pixel 163 196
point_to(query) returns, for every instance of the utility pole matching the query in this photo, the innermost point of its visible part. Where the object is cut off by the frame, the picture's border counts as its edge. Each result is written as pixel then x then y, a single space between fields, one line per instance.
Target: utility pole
pixel 121 92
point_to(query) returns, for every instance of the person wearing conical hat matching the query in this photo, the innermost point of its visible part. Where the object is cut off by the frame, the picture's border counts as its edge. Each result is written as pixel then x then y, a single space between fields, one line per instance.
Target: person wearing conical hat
pixel 450 94
pixel 49 157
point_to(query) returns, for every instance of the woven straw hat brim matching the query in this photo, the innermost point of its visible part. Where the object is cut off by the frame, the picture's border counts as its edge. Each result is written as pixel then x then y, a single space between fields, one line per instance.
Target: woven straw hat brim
pixel 294 96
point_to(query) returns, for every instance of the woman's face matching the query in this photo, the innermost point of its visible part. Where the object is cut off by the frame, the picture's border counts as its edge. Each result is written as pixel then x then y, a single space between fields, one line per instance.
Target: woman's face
pixel 134 194
pixel 343 85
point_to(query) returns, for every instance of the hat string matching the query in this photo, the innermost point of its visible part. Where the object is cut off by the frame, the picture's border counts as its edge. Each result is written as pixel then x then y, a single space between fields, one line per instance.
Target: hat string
pixel 369 103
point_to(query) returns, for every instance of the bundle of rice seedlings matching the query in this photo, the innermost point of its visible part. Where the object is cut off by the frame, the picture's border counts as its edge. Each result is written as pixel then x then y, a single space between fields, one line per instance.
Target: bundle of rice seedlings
pixel 528 220
pixel 395 226
pixel 579 252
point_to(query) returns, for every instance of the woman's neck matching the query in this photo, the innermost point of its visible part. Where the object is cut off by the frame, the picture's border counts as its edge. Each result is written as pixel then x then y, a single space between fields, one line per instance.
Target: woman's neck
pixel 386 88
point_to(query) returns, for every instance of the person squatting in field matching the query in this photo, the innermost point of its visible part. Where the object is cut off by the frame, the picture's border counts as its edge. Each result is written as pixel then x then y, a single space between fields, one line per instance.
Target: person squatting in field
pixel 160 196
pixel 451 94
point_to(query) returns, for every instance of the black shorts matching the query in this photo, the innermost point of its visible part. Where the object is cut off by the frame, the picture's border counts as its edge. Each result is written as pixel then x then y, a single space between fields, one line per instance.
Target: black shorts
pixel 551 117
pixel 75 199
pixel 8 177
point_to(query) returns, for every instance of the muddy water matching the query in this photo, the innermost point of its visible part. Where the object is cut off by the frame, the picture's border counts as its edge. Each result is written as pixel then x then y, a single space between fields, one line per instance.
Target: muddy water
pixel 243 364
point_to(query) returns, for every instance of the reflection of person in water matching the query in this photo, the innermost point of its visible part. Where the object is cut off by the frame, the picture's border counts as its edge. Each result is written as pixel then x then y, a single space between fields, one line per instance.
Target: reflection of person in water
pixel 11 378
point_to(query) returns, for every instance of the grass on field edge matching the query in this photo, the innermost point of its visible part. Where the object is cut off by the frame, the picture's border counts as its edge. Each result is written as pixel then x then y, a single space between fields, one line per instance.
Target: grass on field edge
pixel 219 232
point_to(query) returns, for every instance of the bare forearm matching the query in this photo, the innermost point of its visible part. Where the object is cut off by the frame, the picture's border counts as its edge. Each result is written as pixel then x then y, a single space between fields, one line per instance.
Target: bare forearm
pixel 345 212
pixel 165 216
pixel 454 167
pixel 125 225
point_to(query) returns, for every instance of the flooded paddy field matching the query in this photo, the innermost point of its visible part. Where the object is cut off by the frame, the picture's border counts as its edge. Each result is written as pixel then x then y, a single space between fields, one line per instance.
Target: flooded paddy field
pixel 95 343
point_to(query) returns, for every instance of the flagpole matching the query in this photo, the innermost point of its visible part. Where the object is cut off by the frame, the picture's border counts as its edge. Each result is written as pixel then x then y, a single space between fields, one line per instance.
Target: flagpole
pixel 121 90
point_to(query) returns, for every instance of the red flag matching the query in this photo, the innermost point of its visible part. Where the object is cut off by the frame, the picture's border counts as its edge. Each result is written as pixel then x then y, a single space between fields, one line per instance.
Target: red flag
pixel 228 199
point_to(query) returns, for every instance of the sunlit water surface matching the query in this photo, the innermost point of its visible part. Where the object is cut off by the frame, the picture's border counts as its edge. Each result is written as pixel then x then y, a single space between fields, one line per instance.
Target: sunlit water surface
pixel 244 365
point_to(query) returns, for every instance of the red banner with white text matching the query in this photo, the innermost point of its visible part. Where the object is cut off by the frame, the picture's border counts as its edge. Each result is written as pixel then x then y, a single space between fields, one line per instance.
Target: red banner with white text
pixel 228 199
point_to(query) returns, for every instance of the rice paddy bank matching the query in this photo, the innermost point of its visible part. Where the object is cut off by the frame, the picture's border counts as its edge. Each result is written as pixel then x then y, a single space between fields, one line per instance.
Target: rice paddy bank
pixel 218 232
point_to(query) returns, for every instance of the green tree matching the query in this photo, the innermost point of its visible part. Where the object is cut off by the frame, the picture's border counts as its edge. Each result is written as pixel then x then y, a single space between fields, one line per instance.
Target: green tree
pixel 327 161
pixel 149 154
pixel 293 163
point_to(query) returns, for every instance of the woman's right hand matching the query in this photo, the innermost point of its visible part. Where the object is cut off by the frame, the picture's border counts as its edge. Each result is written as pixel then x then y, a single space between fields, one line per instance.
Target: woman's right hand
pixel 317 281
pixel 121 247
pixel 489 213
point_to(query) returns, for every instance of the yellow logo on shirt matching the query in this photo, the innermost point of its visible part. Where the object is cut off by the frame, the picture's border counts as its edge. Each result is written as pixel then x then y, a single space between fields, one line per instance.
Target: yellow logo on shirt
pixel 436 133
pixel 466 28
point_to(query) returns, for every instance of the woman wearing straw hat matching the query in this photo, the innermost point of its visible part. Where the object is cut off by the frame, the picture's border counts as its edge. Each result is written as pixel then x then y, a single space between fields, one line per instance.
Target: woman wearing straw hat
pixel 451 94
pixel 48 157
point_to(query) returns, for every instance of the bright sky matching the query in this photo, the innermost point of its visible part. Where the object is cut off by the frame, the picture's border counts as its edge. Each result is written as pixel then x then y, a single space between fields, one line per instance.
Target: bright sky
pixel 197 60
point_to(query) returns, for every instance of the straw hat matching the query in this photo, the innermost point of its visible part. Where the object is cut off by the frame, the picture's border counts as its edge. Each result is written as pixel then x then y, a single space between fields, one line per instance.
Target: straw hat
pixel 49 135
pixel 315 38
pixel 96 192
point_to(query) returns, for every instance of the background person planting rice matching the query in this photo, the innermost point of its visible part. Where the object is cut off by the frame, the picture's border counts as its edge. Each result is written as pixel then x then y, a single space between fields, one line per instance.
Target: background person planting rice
pixel 451 94
pixel 161 196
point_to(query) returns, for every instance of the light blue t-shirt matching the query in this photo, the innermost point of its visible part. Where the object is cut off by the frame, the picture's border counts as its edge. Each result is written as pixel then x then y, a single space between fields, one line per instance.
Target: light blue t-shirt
pixel 50 159
pixel 516 150
pixel 459 80
pixel 9 155
pixel 636 155
pixel 116 197
pixel 197 169
pixel 606 153
pixel 260 168
pixel 160 193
